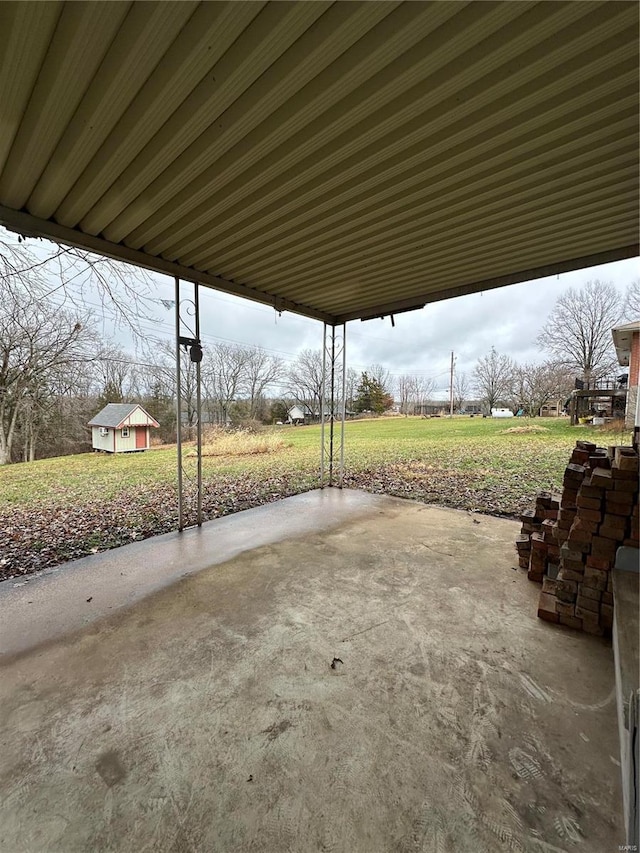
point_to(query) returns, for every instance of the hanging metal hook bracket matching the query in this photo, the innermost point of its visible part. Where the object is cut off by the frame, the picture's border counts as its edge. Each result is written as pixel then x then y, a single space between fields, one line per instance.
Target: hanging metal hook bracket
pixel 194 346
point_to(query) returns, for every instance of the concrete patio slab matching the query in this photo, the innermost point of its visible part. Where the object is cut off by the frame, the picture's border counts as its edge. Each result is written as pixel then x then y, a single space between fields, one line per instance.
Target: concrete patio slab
pixel 118 578
pixel 202 713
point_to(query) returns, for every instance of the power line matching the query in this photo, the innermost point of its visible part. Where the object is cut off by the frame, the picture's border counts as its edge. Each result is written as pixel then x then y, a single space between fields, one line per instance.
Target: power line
pixel 160 325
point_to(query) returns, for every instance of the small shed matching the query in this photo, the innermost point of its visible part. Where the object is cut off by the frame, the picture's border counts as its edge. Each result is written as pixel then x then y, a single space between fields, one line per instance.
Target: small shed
pixel 121 428
pixel 552 408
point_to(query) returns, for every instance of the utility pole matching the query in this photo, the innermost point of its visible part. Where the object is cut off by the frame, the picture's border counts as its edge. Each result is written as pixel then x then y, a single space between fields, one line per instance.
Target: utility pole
pixel 451 387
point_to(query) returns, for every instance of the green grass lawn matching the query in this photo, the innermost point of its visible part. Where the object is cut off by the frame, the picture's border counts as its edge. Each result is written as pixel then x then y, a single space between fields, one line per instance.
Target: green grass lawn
pixel 56 509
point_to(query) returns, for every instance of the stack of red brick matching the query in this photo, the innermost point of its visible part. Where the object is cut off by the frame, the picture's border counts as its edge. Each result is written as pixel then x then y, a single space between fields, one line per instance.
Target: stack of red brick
pixel 537 548
pixel 573 554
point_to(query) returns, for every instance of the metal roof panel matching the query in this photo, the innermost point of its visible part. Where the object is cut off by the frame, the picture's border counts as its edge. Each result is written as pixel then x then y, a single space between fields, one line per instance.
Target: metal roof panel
pixel 335 159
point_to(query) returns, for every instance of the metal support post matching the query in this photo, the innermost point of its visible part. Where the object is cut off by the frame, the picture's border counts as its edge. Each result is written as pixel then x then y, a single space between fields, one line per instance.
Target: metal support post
pixel 196 302
pixel 179 409
pixel 333 405
pixel 192 345
pixel 323 382
pixel 332 395
pixel 343 408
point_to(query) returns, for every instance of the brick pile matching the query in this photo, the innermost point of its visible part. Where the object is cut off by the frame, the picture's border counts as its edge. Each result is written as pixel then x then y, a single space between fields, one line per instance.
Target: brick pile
pixel 537 549
pixel 572 554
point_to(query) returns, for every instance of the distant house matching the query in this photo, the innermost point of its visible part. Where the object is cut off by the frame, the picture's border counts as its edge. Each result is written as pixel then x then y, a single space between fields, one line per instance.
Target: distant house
pixel 443 407
pixel 626 340
pixel 472 407
pixel 433 407
pixel 121 428
pixel 302 414
pixel 296 415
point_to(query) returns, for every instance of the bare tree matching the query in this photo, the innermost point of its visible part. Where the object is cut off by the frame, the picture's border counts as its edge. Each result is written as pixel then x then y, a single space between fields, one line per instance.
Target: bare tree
pixel 153 381
pixel 424 389
pixel 38 343
pixel 413 392
pixel 74 277
pixel 305 379
pixel 493 375
pixel 420 392
pixel 226 371
pixel 533 385
pixel 114 368
pixel 460 390
pixel 405 390
pixel 54 417
pixel 378 373
pixel 351 384
pixel 632 301
pixel 163 369
pixel 578 331
pixel 260 370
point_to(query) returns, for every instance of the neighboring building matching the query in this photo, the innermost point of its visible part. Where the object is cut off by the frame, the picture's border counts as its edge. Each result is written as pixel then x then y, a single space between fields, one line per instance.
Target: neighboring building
pixel 443 407
pixel 433 407
pixel 304 415
pixel 551 409
pixel 605 397
pixel 296 415
pixel 121 428
pixel 627 343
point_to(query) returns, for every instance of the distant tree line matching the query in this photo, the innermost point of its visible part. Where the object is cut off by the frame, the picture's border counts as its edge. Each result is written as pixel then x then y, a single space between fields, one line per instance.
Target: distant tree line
pixel 501 382
pixel 57 371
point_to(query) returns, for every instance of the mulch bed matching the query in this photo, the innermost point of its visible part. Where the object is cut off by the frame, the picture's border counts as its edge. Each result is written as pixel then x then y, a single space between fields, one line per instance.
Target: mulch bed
pixel 34 539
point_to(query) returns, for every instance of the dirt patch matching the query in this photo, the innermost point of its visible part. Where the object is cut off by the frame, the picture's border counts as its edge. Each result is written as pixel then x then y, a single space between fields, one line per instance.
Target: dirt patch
pixel 526 430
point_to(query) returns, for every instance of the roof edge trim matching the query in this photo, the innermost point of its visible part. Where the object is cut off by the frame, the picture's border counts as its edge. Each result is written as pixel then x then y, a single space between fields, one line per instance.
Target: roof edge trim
pixel 420 300
pixel 28 225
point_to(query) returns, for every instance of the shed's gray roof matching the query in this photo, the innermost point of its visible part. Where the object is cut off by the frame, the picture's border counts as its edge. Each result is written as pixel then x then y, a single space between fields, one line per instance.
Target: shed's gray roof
pixel 114 413
pixel 341 160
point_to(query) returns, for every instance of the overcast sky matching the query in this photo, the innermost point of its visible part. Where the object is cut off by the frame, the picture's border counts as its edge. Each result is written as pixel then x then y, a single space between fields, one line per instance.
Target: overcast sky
pixel 508 318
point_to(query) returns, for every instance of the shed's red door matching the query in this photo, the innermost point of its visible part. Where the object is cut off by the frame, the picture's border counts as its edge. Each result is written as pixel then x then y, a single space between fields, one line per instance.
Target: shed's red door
pixel 141 437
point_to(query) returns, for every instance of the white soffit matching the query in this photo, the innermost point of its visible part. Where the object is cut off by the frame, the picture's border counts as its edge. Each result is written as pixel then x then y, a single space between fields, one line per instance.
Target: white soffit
pixel 341 160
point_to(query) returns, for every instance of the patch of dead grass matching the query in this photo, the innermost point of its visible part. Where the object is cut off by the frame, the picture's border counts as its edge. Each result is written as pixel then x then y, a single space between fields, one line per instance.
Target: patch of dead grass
pixel 523 430
pixel 242 443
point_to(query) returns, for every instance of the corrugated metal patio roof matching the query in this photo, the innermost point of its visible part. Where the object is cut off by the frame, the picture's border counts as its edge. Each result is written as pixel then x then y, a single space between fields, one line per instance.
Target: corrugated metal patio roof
pixel 340 160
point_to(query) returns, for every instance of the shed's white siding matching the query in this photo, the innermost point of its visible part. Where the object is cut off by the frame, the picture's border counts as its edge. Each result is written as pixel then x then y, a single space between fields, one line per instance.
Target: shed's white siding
pixel 128 443
pixel 101 442
pixel 122 444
